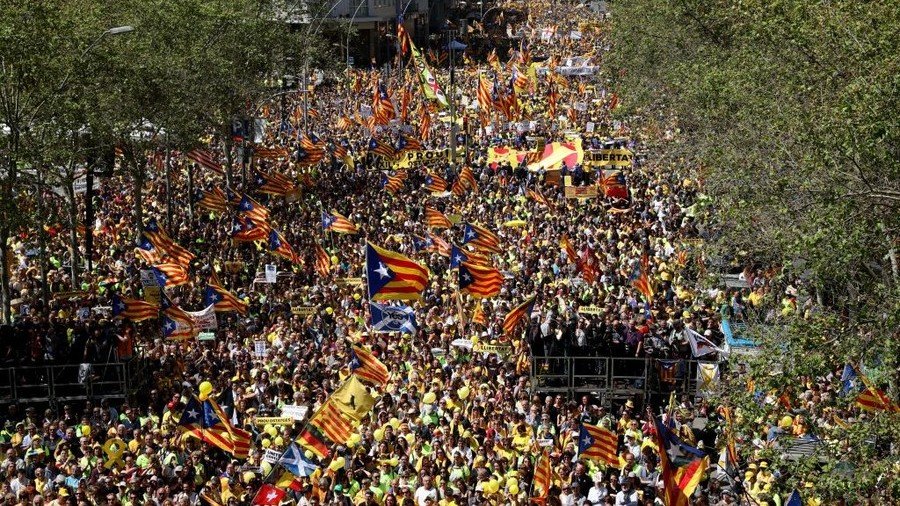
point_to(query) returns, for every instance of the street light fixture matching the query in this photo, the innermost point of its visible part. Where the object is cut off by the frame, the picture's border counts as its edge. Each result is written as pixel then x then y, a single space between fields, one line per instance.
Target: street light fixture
pixel 119 29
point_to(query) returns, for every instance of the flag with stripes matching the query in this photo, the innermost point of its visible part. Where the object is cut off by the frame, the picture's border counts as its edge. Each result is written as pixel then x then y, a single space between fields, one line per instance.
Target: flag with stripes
pixel 392 276
pixel 407 143
pixel 467 177
pixel 332 423
pixel 425 123
pixel 479 281
pixel 270 153
pixel 323 261
pixel 336 222
pixel 133 309
pixel 520 312
pixel 244 229
pixel 382 105
pixel 213 200
pixel 402 37
pixel 421 243
pixel 221 299
pixel 436 219
pixel 311 439
pixel 481 238
pixel 871 398
pixel 612 183
pixel 253 209
pixel 478 315
pixel 484 95
pixel 158 236
pixel 241 440
pixel 272 183
pixel 381 149
pixel 538 197
pixel 169 274
pixel 441 246
pixel 146 250
pixel 365 365
pixel 493 60
pixel 681 466
pixel 595 442
pixel 392 184
pixel 206 160
pixel 542 478
pixel 569 249
pixel 279 246
pixel 459 255
pixel 435 183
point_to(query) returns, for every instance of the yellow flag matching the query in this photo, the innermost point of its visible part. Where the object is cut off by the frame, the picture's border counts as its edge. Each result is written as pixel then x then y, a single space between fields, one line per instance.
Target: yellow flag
pixel 353 398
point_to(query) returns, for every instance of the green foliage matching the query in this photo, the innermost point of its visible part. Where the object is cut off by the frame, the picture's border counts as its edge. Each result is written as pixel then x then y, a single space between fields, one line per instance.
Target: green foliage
pixel 788 112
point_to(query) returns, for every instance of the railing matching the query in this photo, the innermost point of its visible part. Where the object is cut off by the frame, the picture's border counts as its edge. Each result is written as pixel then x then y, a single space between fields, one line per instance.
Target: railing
pixel 612 378
pixel 63 383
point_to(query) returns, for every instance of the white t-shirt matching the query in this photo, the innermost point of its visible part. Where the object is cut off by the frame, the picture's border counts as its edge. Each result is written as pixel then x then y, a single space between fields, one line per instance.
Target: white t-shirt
pixel 422 494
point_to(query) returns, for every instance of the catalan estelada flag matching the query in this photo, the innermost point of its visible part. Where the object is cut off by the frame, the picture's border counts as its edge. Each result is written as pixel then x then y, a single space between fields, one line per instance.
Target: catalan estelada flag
pixel 435 183
pixel 272 183
pixel 279 246
pixel 253 209
pixel 206 422
pixel 244 229
pixel 146 250
pixel 436 219
pixel 392 184
pixel 382 105
pixel 681 466
pixel 407 143
pixel 467 179
pixel 332 423
pixel 133 309
pixel 323 261
pixel 595 442
pixel 381 149
pixel 459 255
pixel 213 200
pixel 221 299
pixel 517 314
pixel 168 275
pixel 336 222
pixel 641 279
pixel 365 365
pixel 164 243
pixel 479 281
pixel 481 237
pixel 402 37
pixel 392 276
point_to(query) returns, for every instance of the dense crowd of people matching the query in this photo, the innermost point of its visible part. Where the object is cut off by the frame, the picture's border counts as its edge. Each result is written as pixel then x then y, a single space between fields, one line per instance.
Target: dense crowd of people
pixel 452 425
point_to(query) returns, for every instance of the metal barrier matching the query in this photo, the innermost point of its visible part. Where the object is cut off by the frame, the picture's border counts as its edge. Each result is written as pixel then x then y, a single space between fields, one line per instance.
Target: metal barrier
pixel 611 378
pixel 63 383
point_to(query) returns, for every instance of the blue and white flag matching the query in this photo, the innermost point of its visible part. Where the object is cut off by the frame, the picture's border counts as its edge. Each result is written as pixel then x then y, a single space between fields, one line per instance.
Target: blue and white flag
pixel 295 462
pixel 387 318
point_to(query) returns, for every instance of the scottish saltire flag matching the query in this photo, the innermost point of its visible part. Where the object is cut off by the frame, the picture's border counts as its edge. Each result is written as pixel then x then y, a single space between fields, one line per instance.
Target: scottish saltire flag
pixel 386 318
pixel 294 461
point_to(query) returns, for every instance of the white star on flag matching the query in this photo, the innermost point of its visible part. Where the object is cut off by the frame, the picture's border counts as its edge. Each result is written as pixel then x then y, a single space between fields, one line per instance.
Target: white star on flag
pixel 382 270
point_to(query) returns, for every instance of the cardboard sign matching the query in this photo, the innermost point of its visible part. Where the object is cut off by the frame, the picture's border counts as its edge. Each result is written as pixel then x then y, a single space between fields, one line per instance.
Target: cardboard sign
pixel 491 348
pixel 259 349
pixel 273 420
pixel 608 158
pixel 303 310
pixel 206 336
pixel 350 281
pixel 271 273
pixel 271 456
pixel 581 192
pixel 593 310
pixel 294 412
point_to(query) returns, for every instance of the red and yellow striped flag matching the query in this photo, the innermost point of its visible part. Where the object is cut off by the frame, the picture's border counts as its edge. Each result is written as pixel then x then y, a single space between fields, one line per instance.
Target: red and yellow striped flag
pixel 332 422
pixel 522 311
pixel 479 281
pixel 542 476
pixel 436 219
pixel 323 262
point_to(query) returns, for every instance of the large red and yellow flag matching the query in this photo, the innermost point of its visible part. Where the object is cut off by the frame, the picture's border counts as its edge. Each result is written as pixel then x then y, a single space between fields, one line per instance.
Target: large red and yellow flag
pixel 392 276
pixel 479 281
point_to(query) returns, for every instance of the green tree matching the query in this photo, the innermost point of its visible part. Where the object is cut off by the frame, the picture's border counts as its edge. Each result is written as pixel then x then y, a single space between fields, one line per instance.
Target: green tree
pixel 788 112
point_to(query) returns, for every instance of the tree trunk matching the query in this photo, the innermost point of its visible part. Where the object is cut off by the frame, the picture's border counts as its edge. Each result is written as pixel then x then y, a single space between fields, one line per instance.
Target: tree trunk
pixel 139 176
pixel 4 275
pixel 73 233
